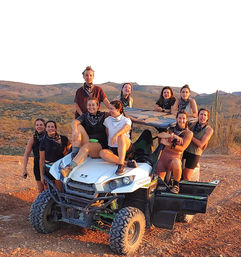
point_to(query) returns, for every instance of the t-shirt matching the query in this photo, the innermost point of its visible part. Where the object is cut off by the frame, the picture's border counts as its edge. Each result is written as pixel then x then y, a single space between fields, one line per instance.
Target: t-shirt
pixel 114 125
pixel 94 127
pixel 54 149
pixel 81 97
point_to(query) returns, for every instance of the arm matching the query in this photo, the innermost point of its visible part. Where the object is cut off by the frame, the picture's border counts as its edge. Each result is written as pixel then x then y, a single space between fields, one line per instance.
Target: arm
pixel 26 155
pixel 157 108
pixel 194 108
pixel 131 102
pixel 106 102
pixel 174 107
pixel 78 109
pixel 122 131
pixel 41 164
pixel 186 141
pixel 204 141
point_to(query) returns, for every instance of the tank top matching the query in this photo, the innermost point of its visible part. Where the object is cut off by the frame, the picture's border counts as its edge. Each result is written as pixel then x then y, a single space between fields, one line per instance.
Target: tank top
pixel 194 149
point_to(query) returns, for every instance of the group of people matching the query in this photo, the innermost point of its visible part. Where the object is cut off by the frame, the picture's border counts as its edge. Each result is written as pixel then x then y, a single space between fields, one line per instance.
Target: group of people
pixel 107 134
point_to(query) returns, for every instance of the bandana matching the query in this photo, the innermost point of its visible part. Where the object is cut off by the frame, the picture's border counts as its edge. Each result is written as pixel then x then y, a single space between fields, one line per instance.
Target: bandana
pixel 94 119
pixel 178 131
pixel 88 89
pixel 125 101
pixel 167 103
pixel 199 127
pixel 56 138
pixel 183 104
pixel 39 136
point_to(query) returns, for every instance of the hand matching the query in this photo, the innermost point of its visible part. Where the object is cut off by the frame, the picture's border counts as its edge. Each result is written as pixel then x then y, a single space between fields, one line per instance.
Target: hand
pixel 157 109
pixel 113 140
pixel 25 174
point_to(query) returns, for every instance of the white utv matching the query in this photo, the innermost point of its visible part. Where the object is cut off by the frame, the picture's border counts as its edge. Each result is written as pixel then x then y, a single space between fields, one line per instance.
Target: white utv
pixel 94 196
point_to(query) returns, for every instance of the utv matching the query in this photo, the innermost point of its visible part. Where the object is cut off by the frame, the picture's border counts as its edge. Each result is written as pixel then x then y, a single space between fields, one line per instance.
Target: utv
pixel 93 196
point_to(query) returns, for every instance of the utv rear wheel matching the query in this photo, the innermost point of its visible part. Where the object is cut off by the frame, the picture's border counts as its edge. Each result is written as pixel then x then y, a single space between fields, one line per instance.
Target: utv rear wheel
pixel 127 230
pixel 44 213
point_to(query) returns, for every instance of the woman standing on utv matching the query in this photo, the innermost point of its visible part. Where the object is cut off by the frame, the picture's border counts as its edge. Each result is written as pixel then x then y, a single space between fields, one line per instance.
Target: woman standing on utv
pixel 185 103
pixel 33 144
pixel 125 96
pixel 89 128
pixel 118 130
pixel 175 141
pixel 166 100
pixel 202 133
pixel 52 148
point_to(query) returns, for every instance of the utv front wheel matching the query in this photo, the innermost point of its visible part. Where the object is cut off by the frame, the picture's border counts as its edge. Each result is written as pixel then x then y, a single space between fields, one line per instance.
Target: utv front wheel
pixel 127 230
pixel 44 214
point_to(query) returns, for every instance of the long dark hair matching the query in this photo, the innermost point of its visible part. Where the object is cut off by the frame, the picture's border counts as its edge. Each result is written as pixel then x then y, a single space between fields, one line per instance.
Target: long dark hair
pixel 118 105
pixel 40 119
pixel 55 124
pixel 161 98
pixel 185 86
pixel 127 83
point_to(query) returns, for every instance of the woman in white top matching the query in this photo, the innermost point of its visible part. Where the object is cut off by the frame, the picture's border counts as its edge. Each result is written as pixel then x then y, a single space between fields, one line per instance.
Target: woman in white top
pixel 185 103
pixel 118 130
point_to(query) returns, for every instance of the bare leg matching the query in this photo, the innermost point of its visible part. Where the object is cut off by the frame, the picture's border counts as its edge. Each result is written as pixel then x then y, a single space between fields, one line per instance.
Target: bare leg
pixel 79 135
pixel 162 175
pixel 91 149
pixel 58 185
pixel 176 169
pixel 108 156
pixel 123 145
pixel 187 174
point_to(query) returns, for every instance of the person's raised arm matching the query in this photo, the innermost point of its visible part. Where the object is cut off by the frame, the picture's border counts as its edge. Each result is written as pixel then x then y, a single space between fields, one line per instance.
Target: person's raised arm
pixel 27 152
pixel 204 141
pixel 194 108
pixel 106 102
pixel 78 109
pixel 186 141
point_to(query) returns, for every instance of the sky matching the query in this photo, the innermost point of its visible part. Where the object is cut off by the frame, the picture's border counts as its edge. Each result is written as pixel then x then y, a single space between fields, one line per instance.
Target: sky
pixel 154 42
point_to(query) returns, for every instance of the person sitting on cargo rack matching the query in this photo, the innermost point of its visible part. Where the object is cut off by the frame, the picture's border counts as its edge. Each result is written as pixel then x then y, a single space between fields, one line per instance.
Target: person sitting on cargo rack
pixel 89 135
pixel 202 133
pixel 175 141
pixel 125 96
pixel 118 130
pixel 165 101
pixel 185 103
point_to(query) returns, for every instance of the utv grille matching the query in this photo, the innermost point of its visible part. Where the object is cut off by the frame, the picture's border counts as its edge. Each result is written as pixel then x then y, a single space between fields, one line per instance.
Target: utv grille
pixel 79 188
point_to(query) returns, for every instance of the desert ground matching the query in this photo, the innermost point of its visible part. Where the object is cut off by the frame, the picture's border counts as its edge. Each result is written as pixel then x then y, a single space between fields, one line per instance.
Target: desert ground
pixel 216 233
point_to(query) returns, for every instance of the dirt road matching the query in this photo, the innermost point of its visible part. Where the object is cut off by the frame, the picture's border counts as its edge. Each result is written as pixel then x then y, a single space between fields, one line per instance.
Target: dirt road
pixel 216 233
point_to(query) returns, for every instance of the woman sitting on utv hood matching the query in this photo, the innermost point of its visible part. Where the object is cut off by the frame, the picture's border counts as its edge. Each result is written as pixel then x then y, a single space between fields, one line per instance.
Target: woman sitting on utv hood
pixel 89 136
pixel 175 141
pixel 118 130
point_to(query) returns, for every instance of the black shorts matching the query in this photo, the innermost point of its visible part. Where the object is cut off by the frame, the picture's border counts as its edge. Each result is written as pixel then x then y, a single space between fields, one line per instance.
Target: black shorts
pixel 129 152
pixel 36 170
pixel 191 160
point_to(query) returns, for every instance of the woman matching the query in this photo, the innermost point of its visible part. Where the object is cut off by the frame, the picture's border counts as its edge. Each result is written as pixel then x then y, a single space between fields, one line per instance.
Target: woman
pixel 33 144
pixel 202 133
pixel 125 96
pixel 185 103
pixel 118 130
pixel 52 148
pixel 91 137
pixel 166 100
pixel 175 141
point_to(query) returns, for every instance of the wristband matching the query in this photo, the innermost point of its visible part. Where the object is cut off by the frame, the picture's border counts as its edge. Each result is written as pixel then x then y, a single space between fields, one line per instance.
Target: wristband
pixel 92 140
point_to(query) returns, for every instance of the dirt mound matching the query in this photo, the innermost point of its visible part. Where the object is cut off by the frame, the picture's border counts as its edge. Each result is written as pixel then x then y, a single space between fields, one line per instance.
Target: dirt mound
pixel 216 233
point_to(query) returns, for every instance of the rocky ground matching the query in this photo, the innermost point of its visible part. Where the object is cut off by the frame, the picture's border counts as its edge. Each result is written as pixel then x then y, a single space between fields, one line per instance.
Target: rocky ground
pixel 216 233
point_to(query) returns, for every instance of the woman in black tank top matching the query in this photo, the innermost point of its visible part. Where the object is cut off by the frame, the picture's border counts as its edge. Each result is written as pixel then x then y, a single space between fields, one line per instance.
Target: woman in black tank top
pixel 33 145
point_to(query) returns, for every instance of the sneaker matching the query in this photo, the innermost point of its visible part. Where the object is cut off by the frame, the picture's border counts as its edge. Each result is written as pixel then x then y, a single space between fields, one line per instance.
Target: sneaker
pixel 132 164
pixel 66 170
pixel 120 170
pixel 175 189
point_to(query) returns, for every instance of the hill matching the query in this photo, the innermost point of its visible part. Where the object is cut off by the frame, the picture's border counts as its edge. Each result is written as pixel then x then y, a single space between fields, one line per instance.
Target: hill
pixel 22 103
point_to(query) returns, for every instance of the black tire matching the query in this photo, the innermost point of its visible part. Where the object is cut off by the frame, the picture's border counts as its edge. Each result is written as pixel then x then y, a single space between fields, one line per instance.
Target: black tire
pixel 42 213
pixel 127 230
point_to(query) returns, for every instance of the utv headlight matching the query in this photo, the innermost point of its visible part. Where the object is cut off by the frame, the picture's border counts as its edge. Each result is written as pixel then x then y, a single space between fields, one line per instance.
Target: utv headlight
pixel 119 182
